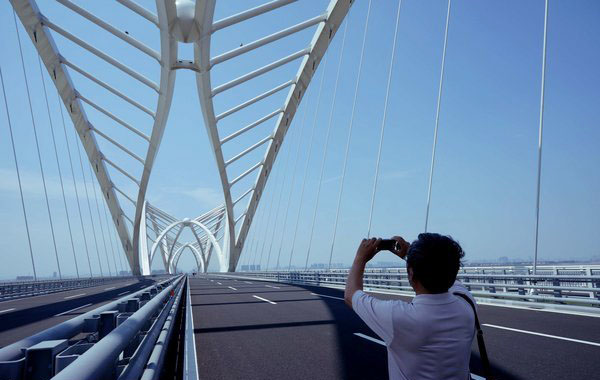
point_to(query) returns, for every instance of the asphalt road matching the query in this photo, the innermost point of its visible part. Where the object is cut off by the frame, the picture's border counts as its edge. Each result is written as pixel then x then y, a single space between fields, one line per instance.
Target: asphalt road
pixel 248 329
pixel 20 318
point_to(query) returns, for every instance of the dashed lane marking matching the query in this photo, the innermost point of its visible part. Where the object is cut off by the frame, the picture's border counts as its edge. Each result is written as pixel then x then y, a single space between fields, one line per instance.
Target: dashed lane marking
pixel 111 288
pixel 544 335
pixel 323 295
pixel 247 282
pixel 232 288
pixel 219 283
pixel 68 311
pixel 370 338
pixel 120 294
pixel 271 286
pixel 264 299
pixel 75 295
pixel 7 310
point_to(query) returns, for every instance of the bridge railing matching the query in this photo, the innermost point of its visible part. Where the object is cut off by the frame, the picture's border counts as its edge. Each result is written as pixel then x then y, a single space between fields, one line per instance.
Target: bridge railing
pixel 18 289
pixel 578 290
pixel 125 339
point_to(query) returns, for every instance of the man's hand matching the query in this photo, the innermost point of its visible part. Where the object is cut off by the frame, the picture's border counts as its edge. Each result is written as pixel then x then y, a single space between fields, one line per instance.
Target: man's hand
pixel 367 250
pixel 403 247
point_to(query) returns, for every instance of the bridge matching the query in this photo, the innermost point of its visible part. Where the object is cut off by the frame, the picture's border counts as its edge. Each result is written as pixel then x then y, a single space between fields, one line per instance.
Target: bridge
pixel 202 228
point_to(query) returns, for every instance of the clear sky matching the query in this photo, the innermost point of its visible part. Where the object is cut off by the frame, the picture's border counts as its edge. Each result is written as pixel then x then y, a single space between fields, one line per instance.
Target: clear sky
pixel 484 185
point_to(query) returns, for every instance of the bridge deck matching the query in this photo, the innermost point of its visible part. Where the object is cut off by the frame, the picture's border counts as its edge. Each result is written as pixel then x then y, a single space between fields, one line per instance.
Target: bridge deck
pixel 309 336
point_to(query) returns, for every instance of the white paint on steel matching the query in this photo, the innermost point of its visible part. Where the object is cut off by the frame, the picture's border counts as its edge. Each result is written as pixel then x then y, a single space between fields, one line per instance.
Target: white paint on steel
pixel 312 55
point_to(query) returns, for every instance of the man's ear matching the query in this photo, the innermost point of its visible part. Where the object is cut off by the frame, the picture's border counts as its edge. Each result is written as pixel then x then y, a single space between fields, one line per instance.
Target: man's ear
pixel 410 274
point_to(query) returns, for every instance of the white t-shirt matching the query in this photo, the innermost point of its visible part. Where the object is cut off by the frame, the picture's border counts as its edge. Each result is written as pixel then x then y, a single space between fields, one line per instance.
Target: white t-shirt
pixel 428 338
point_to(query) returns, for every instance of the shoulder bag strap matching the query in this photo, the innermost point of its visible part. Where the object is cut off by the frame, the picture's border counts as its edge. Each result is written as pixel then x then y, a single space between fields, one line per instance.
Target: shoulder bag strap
pixel 480 342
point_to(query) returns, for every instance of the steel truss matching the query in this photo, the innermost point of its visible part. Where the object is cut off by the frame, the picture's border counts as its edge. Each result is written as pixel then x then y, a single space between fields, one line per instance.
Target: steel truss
pixel 207 229
pixel 327 25
pixel 188 22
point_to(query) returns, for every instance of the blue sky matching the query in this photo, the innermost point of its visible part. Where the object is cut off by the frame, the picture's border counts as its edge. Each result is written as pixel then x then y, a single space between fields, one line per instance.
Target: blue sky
pixel 485 178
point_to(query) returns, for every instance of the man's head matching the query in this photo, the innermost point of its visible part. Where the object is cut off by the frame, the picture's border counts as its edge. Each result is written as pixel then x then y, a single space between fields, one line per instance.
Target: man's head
pixel 433 261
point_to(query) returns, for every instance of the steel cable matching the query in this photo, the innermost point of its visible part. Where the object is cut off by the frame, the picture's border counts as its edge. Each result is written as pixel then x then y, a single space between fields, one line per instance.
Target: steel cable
pixel 37 145
pixel 310 144
pixel 62 116
pixel 287 209
pixel 62 187
pixel 287 164
pixel 87 197
pixel 337 78
pixel 100 221
pixel 385 108
pixel 12 141
pixel 347 150
pixel 437 117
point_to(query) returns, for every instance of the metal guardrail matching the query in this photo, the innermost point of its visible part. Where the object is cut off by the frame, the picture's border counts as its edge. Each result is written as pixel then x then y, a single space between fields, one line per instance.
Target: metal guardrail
pixel 112 340
pixel 19 289
pixel 569 290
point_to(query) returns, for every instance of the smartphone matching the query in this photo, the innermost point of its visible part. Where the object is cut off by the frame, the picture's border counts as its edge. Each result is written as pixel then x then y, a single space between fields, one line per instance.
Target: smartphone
pixel 387 245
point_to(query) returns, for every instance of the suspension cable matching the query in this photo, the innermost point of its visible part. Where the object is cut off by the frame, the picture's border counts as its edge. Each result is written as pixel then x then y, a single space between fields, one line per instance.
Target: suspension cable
pixel 385 108
pixel 62 116
pixel 437 116
pixel 100 219
pixel 12 141
pixel 286 166
pixel 62 187
pixel 262 220
pixel 112 248
pixel 345 165
pixel 310 144
pixel 37 145
pixel 540 141
pixel 275 180
pixel 287 209
pixel 125 267
pixel 337 78
pixel 87 197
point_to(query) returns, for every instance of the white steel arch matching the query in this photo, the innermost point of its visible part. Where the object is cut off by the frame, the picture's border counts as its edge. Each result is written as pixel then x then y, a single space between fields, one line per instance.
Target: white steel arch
pixel 327 25
pixel 174 260
pixel 38 28
pixel 188 223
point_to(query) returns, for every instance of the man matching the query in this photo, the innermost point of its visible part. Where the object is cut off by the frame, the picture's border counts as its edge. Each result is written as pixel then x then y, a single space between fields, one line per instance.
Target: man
pixel 430 337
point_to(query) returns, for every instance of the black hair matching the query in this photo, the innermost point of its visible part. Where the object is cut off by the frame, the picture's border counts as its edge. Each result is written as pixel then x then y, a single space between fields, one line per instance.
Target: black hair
pixel 434 260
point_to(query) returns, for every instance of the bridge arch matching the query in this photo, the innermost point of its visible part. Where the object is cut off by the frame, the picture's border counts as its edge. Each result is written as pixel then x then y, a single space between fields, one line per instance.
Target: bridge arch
pixel 188 223
pixel 174 259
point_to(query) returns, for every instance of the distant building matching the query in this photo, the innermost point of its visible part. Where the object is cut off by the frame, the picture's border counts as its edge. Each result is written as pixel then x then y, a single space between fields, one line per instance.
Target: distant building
pixel 24 278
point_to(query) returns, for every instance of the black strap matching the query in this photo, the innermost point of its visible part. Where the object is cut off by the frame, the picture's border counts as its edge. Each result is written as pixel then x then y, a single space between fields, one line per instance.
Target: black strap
pixel 480 343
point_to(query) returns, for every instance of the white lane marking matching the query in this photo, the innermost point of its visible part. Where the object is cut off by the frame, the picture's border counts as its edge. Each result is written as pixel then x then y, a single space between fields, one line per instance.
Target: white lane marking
pixel 219 283
pixel 370 338
pixel 68 311
pixel 247 282
pixel 232 288
pixel 120 294
pixel 378 341
pixel 544 335
pixel 7 310
pixel 323 295
pixel 111 288
pixel 271 286
pixel 266 300
pixel 76 295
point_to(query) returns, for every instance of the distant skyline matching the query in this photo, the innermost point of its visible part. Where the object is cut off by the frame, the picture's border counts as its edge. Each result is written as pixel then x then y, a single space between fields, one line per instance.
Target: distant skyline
pixel 485 177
